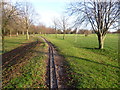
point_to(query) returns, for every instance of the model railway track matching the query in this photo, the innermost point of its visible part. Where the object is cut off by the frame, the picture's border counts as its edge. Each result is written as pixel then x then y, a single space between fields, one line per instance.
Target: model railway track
pixel 53 82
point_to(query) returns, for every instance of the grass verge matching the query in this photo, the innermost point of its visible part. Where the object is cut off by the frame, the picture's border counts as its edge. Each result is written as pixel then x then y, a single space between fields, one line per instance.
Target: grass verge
pixel 89 67
pixel 32 74
pixel 14 42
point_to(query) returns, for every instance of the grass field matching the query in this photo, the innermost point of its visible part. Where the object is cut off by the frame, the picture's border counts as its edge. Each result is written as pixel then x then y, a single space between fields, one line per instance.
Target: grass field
pixel 32 73
pixel 89 67
pixel 13 42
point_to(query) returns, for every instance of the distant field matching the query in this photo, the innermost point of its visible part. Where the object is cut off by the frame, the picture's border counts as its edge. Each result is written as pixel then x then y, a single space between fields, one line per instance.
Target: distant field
pixel 89 67
pixel 14 42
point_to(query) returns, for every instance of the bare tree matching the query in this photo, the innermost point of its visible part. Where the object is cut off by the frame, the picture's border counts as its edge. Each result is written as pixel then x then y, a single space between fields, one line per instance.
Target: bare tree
pixel 63 24
pixel 55 22
pixel 22 25
pixel 8 13
pixel 28 13
pixel 16 25
pixel 101 14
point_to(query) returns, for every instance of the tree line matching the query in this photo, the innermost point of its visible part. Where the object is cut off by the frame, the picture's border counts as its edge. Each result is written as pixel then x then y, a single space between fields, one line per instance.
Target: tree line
pixel 16 18
pixel 101 15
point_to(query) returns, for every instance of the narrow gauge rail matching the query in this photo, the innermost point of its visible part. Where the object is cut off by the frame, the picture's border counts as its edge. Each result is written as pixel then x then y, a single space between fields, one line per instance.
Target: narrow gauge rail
pixel 53 82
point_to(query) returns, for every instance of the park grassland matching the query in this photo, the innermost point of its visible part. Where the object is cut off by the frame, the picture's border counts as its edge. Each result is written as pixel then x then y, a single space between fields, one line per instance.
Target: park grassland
pixel 14 42
pixel 89 67
pixel 32 74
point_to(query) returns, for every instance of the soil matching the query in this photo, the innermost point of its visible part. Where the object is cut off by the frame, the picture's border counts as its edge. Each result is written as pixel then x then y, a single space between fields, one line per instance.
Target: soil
pixel 61 74
pixel 13 60
pixel 61 71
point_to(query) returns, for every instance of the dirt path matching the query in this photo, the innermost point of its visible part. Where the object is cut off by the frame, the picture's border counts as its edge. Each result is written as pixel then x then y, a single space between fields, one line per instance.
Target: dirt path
pixel 57 76
pixel 12 57
pixel 12 61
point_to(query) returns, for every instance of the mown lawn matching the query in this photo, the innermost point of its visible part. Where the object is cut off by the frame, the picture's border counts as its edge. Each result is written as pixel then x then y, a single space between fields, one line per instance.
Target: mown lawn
pixel 13 42
pixel 33 73
pixel 89 67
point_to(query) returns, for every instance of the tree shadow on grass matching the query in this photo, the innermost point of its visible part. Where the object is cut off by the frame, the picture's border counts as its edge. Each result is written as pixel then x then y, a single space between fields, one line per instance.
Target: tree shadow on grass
pixel 91 48
pixel 84 59
pixel 16 42
pixel 12 57
pixel 94 62
pixel 76 82
pixel 96 49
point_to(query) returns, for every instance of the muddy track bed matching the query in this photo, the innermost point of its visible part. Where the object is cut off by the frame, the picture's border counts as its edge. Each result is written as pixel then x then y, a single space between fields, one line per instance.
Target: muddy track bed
pixel 13 60
pixel 56 75
pixel 56 71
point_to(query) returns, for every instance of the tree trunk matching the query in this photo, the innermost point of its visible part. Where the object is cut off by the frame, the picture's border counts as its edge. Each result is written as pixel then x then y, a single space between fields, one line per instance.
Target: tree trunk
pixel 33 33
pixel 17 34
pixel 23 33
pixel 3 44
pixel 44 34
pixel 64 35
pixel 10 33
pixel 3 41
pixel 56 33
pixel 27 35
pixel 75 37
pixel 101 41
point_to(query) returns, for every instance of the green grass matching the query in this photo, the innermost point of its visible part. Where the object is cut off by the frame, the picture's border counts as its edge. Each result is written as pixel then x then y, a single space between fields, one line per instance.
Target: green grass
pixel 33 73
pixel 13 42
pixel 89 67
